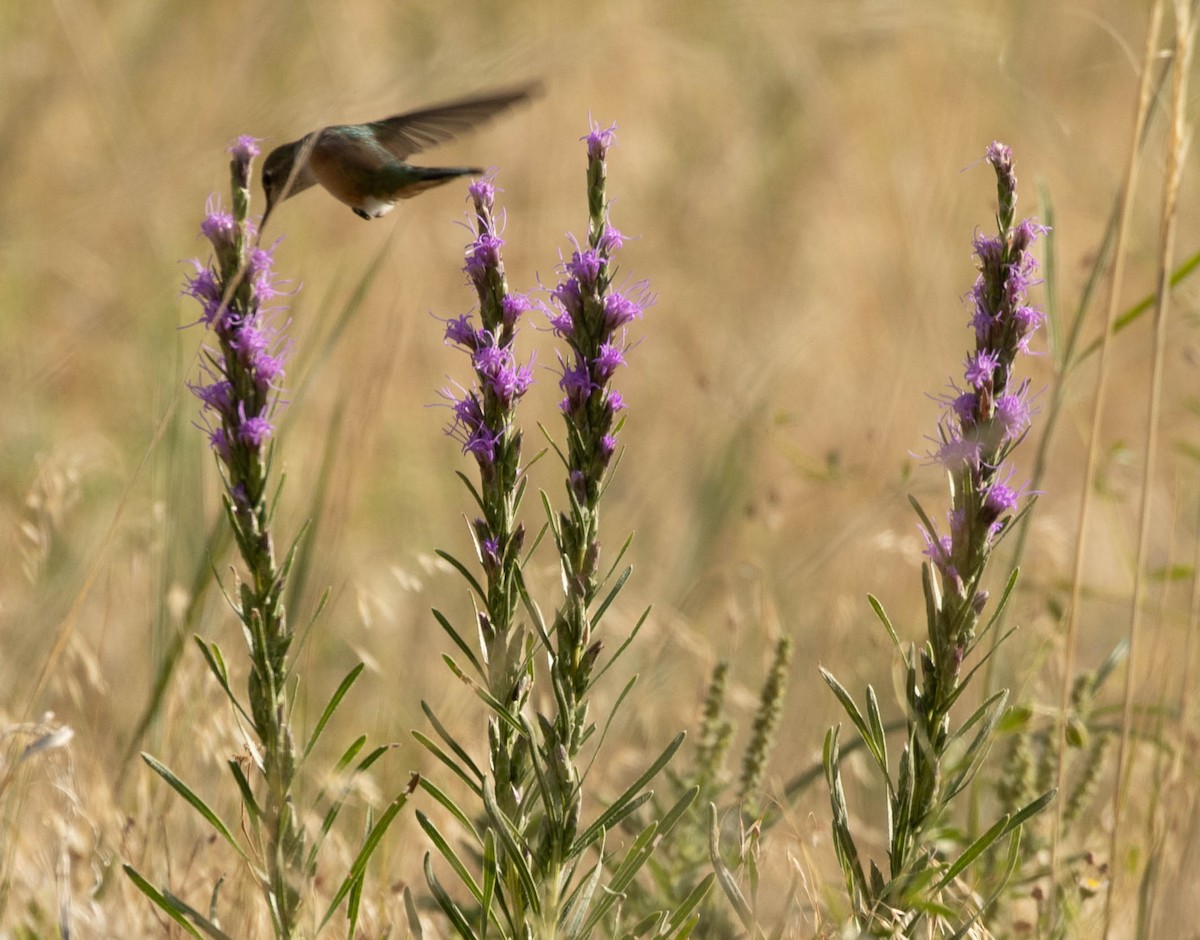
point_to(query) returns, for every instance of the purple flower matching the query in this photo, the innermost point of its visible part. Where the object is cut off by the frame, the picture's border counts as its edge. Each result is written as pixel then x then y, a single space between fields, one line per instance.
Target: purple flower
pixel 510 383
pixel 611 356
pixel 1012 413
pixel 483 254
pixel 980 367
pixel 512 306
pixel 610 240
pixel 562 324
pixel 253 431
pixel 599 140
pixel 481 444
pixel 250 342
pixel 490 359
pixel 568 296
pixel 990 251
pixel 490 550
pixel 619 310
pixel 218 227
pixel 245 148
pixel 965 408
pixel 1026 233
pixel 608 444
pixel 217 396
pixel 576 382
pixel 482 192
pixel 998 155
pixel 999 500
pixel 957 452
pixel 939 549
pixel 460 331
pixel 585 268
pixel 267 369
pixel 219 442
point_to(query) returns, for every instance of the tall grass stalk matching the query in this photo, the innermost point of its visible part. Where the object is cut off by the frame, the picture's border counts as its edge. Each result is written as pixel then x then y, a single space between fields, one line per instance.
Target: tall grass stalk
pixel 1176 149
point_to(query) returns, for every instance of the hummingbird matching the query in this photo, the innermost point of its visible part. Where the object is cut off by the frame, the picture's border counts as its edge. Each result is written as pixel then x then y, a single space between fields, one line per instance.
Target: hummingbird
pixel 363 165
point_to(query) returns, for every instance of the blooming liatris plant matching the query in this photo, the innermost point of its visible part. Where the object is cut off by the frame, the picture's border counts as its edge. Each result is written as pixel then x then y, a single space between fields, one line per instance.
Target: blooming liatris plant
pixel 240 394
pixel 984 420
pixel 536 878
pixel 591 316
pixel 485 423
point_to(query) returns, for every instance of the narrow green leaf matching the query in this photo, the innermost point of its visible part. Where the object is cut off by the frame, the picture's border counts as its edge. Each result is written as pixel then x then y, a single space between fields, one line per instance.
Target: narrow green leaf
pixel 723 875
pixel 160 901
pixel 611 595
pixel 471 488
pixel 483 694
pixel 581 901
pixel 464 571
pixel 452 911
pixel 451 742
pixel 336 700
pixel 508 835
pixel 991 710
pixel 877 606
pixel 370 844
pixel 617 810
pixel 198 804
pixel 490 873
pixel 447 852
pixel 248 800
pixel 446 759
pixel 637 628
pixel 843 839
pixel 972 852
pixel 458 641
pixel 683 910
pixel 634 859
pixel 352 905
pixel 216 664
pixel 860 723
pixel 612 713
pixel 875 718
pixel 431 788
pixel 411 915
pixel 1010 866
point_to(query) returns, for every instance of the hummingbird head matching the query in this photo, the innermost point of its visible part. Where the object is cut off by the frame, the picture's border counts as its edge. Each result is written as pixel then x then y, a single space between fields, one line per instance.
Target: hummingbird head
pixel 286 172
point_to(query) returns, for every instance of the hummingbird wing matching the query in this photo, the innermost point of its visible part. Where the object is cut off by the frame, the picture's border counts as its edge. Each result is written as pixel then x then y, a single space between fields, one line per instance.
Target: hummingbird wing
pixel 405 134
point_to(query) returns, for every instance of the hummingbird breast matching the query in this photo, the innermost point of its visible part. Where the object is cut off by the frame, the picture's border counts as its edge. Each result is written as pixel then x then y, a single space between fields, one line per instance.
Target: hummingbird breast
pixel 350 168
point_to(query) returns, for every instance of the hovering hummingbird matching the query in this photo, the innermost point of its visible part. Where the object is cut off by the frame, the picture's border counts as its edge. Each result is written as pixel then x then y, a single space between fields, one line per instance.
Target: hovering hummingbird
pixel 363 165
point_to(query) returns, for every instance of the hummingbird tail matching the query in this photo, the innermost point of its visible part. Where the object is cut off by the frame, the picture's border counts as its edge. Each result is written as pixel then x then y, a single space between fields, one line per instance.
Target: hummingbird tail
pixel 426 177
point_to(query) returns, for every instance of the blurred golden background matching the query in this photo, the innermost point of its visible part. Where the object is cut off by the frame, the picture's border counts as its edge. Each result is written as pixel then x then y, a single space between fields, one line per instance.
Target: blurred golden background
pixel 802 181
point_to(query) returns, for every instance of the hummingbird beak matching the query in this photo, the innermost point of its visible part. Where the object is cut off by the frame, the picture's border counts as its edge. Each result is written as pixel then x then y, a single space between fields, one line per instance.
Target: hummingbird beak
pixel 266 215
